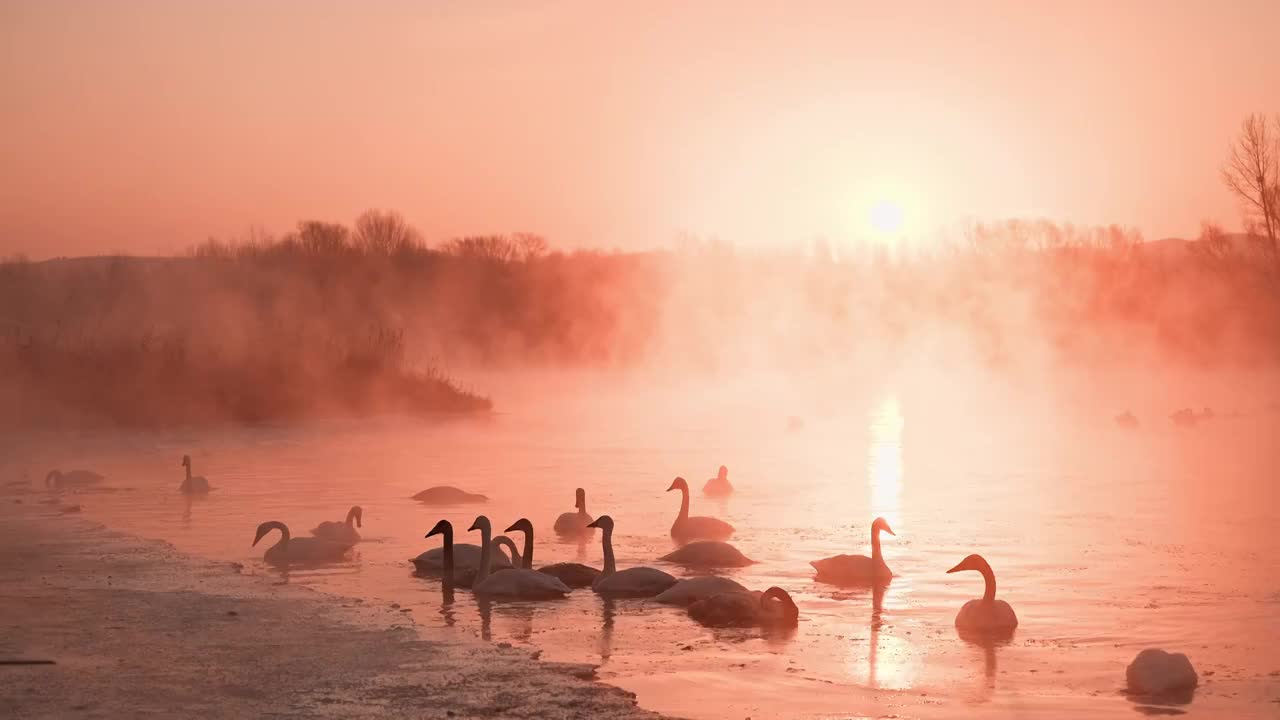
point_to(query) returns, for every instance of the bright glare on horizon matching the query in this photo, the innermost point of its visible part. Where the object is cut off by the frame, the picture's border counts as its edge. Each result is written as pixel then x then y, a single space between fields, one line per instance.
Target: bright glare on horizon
pixel 886 217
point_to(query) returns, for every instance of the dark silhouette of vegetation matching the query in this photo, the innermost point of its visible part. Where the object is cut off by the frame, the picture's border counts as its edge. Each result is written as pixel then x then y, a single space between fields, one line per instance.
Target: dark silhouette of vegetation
pixel 335 320
pixel 1252 173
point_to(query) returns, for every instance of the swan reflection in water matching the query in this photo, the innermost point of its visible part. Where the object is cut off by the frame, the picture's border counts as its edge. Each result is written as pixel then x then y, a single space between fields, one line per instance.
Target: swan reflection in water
pixel 609 610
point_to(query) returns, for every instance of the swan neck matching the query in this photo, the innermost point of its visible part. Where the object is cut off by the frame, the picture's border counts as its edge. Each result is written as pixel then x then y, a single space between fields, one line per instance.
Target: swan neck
pixel 527 560
pixel 448 555
pixel 486 555
pixel 351 514
pixel 989 596
pixel 609 565
pixel 876 554
pixel 188 467
pixel 684 504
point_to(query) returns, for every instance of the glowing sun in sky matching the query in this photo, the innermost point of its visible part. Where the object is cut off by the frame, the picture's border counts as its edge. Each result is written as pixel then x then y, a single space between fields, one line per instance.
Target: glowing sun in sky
pixel 886 217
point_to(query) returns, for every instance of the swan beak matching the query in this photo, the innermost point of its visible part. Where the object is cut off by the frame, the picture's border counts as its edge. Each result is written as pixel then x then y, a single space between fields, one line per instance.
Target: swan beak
pixel 890 530
pixel 513 528
pixel 674 484
pixel 958 568
pixel 474 526
pixel 593 524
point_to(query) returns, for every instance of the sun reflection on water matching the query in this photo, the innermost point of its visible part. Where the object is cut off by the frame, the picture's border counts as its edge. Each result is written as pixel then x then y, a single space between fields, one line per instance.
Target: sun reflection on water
pixel 884 461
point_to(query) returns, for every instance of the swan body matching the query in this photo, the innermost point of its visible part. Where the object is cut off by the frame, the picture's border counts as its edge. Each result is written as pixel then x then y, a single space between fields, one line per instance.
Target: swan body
pixel 632 582
pixel 575 575
pixel 58 480
pixel 719 485
pixel 686 528
pixel 299 551
pixel 708 554
pixel 448 495
pixel 465 555
pixel 571 574
pixel 857 569
pixel 344 531
pixel 690 590
pixel 193 485
pixel 575 523
pixel 986 616
pixel 772 608
pixel 1156 672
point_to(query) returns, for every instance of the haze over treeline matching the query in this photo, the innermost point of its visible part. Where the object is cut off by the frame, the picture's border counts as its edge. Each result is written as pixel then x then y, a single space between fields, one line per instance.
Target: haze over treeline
pixel 303 320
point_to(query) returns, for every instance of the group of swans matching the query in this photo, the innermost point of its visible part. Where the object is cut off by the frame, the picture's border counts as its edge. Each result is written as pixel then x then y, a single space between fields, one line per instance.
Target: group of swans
pixel 985 616
pixel 76 479
pixel 331 542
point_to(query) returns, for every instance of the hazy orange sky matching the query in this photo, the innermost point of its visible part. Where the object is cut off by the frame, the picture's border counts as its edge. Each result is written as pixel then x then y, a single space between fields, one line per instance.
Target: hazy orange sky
pixel 149 126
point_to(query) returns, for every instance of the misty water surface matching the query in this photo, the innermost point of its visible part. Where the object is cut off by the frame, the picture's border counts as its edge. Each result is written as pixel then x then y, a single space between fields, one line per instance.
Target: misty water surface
pixel 1104 540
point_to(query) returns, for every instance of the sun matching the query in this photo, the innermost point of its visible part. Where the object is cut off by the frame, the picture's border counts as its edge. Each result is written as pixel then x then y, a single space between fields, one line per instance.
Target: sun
pixel 886 217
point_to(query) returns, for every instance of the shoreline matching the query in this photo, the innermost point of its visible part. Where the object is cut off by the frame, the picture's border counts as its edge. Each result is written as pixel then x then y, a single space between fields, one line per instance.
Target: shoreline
pixel 137 628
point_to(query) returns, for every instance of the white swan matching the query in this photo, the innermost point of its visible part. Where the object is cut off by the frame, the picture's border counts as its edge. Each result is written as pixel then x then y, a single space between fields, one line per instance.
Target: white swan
pixel 522 583
pixel 1156 672
pixel 690 590
pixel 857 569
pixel 58 480
pixel 575 575
pixel 988 615
pixel 771 608
pixel 574 523
pixel 299 551
pixel 448 495
pixel 719 485
pixel 687 528
pixel 196 485
pixel 342 531
pixel 632 582
pixel 707 554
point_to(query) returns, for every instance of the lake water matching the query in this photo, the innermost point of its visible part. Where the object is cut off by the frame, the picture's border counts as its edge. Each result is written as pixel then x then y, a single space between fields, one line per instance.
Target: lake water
pixel 1104 540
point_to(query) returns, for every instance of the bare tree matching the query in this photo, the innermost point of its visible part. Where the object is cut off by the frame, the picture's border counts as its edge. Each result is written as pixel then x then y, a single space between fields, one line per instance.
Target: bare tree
pixel 385 233
pixel 1253 174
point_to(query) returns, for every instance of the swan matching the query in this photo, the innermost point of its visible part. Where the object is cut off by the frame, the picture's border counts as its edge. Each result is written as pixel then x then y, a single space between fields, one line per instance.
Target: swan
pixel 72 478
pixel 522 583
pixel 708 554
pixel 196 485
pixel 690 590
pixel 718 485
pixel 1156 672
pixel 342 531
pixel 857 569
pixel 574 523
pixel 465 555
pixel 988 615
pixel 771 608
pixel 632 582
pixel 448 495
pixel 1127 419
pixel 687 528
pixel 575 575
pixel 442 560
pixel 299 551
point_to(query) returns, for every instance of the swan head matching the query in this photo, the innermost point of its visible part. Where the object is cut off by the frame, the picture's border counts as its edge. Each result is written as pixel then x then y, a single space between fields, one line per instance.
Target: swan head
pixel 52 477
pixel 788 606
pixel 186 461
pixel 679 484
pixel 482 524
pixel 357 512
pixel 267 527
pixel 604 522
pixel 580 499
pixel 974 562
pixel 883 525
pixel 441 528
pixel 523 525
pixel 723 474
